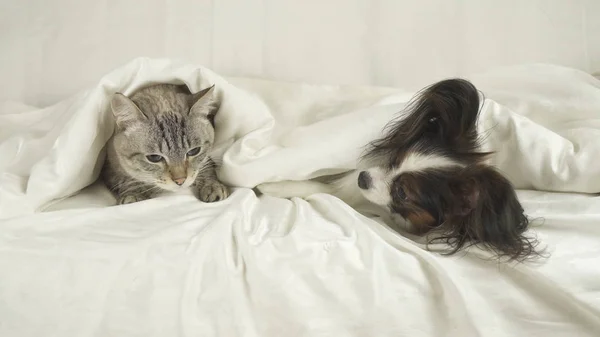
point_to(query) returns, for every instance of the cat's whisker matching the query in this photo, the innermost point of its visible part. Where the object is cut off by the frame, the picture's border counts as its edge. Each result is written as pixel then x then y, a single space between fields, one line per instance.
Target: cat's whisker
pixel 127 183
pixel 152 188
pixel 217 161
pixel 126 186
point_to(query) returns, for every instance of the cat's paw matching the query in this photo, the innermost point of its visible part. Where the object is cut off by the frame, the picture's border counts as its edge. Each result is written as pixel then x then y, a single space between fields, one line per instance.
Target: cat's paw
pixel 127 199
pixel 212 191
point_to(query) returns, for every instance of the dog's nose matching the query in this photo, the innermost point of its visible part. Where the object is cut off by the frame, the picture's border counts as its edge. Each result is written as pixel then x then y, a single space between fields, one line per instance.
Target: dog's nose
pixel 179 181
pixel 364 180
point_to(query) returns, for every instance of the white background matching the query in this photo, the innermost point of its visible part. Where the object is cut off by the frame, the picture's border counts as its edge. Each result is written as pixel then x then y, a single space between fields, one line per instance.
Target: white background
pixel 51 49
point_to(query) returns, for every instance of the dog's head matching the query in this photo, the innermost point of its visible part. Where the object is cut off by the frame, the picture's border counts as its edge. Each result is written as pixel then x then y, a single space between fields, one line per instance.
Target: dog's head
pixel 428 169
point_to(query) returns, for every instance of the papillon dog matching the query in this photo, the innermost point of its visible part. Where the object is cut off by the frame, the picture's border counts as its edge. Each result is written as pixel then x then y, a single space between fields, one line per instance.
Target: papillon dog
pixel 428 176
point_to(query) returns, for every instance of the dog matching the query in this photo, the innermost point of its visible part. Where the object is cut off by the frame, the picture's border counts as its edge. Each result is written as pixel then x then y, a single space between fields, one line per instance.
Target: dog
pixel 428 175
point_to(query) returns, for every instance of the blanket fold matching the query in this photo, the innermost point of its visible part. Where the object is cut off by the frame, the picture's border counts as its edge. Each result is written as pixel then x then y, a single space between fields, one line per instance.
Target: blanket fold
pixel 542 120
pixel 264 266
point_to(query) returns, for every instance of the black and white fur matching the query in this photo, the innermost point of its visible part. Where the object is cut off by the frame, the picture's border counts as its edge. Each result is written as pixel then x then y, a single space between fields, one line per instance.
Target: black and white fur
pixel 428 175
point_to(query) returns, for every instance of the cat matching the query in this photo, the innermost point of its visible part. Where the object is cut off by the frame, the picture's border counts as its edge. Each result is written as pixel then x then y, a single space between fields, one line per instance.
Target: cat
pixel 162 140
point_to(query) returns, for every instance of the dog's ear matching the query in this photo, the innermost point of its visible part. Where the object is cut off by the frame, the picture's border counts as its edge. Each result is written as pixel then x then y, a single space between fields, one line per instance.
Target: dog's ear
pixel 485 210
pixel 442 115
pixel 451 109
pixel 466 196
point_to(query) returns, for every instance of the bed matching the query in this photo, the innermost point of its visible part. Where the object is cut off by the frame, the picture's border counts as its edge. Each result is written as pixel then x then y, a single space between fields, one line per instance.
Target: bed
pixel 74 264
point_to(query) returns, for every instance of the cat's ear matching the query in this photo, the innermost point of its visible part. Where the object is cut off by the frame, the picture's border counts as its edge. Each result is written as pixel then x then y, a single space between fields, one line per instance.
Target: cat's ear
pixel 205 103
pixel 125 111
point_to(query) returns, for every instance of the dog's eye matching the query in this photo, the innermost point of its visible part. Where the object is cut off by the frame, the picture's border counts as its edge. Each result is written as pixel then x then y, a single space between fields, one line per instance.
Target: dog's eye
pixel 400 192
pixel 154 158
pixel 193 152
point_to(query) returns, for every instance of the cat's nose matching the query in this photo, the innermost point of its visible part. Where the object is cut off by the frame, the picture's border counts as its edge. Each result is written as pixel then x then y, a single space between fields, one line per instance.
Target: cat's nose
pixel 179 181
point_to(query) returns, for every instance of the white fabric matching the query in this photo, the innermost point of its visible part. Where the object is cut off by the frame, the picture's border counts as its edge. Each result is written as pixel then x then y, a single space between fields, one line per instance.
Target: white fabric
pixel 51 49
pixel 265 266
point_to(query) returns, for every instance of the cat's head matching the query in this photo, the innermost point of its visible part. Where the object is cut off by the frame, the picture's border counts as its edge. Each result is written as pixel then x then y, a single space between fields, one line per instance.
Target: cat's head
pixel 164 134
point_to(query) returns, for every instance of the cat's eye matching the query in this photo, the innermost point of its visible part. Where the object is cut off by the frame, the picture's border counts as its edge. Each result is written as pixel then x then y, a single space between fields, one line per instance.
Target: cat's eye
pixel 193 152
pixel 154 158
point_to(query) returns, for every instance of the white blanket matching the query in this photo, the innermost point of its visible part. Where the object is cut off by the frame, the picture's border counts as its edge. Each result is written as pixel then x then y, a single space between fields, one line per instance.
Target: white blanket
pixel 264 266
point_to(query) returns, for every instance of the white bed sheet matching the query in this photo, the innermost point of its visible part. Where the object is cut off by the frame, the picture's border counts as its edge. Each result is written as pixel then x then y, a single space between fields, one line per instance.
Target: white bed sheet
pixel 263 266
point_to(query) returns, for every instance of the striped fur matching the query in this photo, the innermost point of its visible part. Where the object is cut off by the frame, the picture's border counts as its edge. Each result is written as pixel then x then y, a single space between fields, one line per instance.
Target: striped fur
pixel 161 143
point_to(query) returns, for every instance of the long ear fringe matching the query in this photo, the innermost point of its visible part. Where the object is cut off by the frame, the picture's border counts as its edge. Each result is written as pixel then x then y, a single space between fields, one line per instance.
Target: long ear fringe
pixel 520 248
pixel 497 221
pixel 423 109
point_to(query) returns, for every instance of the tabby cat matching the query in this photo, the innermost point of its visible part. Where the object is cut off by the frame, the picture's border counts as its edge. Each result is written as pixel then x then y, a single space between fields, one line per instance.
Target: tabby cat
pixel 162 139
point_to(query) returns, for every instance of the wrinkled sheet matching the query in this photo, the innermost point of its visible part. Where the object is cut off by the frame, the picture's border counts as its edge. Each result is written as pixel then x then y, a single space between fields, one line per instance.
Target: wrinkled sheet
pixel 71 264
